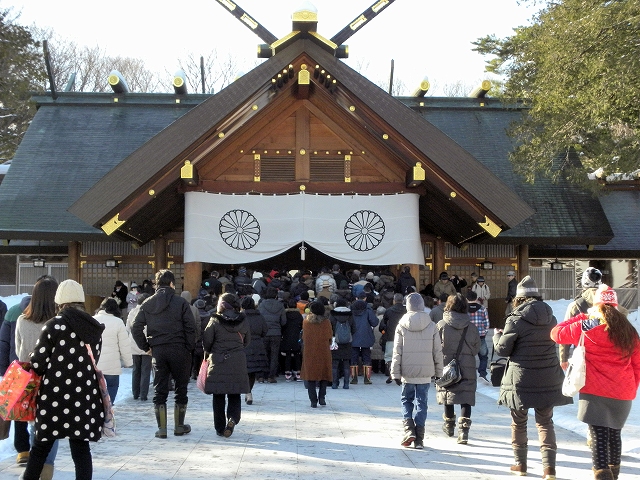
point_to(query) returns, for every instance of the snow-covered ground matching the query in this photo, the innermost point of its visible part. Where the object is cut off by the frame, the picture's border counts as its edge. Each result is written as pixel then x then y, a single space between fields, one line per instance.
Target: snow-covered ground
pixel 562 417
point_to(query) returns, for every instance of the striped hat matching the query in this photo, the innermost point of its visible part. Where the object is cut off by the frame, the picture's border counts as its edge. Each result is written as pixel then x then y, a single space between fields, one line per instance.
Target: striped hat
pixel 527 288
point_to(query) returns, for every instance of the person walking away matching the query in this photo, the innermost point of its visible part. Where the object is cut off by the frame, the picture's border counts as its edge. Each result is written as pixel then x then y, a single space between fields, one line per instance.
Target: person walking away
pixel 9 353
pixel 591 280
pixel 225 340
pixel 343 327
pixel 456 324
pixel 405 280
pixel 417 357
pixel 196 355
pixel 612 354
pixel 170 338
pixel 533 377
pixel 316 356
pixel 141 372
pixel 479 317
pixel 512 287
pixel 257 360
pixel 273 312
pixel 116 347
pixel 377 351
pixel 290 346
pixel 363 338
pixel 437 312
pixel 80 416
pixel 388 325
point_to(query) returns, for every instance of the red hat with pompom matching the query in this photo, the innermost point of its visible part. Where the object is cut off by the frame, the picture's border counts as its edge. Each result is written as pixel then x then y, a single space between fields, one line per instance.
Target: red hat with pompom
pixel 605 295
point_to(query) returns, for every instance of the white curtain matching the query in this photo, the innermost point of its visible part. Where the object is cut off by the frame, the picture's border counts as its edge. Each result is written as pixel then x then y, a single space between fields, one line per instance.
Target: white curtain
pixel 367 229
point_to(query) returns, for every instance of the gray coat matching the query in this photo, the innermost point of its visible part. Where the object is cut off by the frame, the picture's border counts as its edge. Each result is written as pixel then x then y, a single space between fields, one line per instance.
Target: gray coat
pixel 451 327
pixel 224 341
pixel 533 377
pixel 274 314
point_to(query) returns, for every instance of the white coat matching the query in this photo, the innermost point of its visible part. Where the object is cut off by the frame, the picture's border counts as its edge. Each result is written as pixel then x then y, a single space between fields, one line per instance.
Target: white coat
pixel 116 346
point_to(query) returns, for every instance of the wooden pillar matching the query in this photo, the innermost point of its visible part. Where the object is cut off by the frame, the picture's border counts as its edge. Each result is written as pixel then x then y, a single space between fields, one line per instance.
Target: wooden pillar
pixel 523 261
pixel 192 278
pixel 160 253
pixel 73 262
pixel 438 258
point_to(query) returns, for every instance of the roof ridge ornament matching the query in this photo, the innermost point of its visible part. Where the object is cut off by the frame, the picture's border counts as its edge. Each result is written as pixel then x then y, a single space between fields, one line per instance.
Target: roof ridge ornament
pixel 304 26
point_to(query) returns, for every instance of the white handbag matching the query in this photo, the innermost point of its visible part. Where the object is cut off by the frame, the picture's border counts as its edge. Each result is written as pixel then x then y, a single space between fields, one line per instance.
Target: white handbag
pixel 575 376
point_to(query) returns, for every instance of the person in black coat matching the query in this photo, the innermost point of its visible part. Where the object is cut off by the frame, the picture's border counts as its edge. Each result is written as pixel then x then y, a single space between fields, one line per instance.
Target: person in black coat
pixel 257 360
pixel 341 313
pixel 224 341
pixel 290 344
pixel 120 292
pixel 170 338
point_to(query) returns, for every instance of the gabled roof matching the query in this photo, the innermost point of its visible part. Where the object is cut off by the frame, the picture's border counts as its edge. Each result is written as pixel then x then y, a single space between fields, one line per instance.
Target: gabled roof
pixel 564 213
pixel 71 143
pixel 452 173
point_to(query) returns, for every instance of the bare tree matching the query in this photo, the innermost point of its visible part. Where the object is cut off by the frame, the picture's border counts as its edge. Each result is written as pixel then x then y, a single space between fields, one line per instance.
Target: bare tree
pixel 218 72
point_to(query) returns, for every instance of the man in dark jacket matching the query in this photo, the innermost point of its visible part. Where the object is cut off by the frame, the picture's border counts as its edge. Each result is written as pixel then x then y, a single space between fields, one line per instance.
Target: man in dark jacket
pixel 170 338
pixel 274 314
pixel 363 338
pixel 388 325
pixel 511 290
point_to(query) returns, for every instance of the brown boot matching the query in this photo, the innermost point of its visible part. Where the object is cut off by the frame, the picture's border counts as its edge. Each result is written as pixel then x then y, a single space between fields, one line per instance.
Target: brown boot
pixel 520 456
pixel 354 375
pixel 603 474
pixel 615 469
pixel 367 374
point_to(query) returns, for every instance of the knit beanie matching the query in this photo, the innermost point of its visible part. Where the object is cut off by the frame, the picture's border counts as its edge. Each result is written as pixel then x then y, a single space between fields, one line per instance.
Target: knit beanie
pixel 527 288
pixel 605 295
pixel 415 303
pixel 317 308
pixel 69 291
pixel 591 278
pixel 228 301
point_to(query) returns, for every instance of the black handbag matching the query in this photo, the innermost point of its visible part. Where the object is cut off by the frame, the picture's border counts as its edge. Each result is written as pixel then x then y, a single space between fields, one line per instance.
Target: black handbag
pixel 497 369
pixel 452 373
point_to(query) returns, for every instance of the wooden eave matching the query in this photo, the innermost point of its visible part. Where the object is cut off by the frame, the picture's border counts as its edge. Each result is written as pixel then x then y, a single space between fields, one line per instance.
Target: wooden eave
pixel 209 136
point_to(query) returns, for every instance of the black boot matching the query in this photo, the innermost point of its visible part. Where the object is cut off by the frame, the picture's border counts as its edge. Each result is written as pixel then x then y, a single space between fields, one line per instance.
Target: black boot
pixel 409 432
pixel 180 428
pixel 334 374
pixel 449 425
pixel 345 378
pixel 313 395
pixel 419 441
pixel 464 423
pixel 322 392
pixel 161 418
pixel 388 372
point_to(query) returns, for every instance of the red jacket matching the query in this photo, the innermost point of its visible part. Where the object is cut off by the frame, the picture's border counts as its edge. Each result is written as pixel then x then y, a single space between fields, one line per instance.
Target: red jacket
pixel 609 373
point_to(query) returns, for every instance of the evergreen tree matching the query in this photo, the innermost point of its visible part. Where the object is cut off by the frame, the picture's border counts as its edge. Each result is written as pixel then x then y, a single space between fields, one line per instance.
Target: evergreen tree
pixel 578 66
pixel 21 72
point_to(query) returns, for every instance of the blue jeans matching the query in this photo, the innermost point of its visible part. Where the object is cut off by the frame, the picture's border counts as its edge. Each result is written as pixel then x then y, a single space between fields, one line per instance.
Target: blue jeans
pixel 113 382
pixel 417 392
pixel 483 354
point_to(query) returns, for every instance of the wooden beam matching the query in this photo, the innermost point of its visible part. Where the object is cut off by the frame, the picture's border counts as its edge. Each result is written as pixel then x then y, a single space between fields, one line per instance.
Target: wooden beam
pixel 303 164
pixel 294 187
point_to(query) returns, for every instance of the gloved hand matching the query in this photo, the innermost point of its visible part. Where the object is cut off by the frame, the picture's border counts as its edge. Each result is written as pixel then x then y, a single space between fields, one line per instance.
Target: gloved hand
pixel 398 381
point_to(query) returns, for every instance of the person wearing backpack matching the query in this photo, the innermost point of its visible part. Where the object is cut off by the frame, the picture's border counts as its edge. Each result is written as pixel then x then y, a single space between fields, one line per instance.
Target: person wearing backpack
pixel 343 327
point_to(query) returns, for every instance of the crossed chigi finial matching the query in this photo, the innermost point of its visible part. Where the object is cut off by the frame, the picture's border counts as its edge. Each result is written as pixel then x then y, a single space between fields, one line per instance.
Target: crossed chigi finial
pixel 304 22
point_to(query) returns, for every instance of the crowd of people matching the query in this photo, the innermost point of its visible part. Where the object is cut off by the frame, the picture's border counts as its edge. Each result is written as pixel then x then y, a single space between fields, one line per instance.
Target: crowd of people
pixel 261 326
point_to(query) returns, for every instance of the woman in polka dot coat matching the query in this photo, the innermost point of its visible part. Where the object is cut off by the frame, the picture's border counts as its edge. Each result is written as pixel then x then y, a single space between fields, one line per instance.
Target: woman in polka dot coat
pixel 69 404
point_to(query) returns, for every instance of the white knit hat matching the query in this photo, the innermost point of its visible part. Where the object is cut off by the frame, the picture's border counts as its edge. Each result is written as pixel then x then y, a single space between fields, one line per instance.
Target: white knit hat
pixel 69 291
